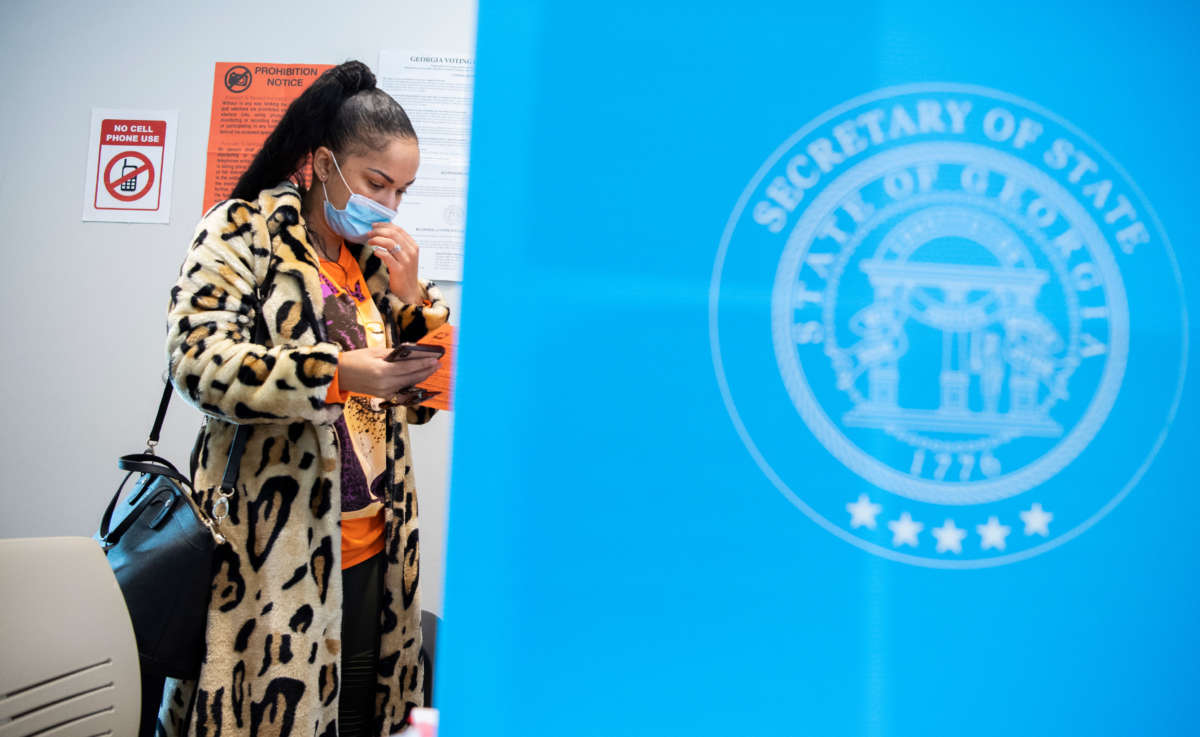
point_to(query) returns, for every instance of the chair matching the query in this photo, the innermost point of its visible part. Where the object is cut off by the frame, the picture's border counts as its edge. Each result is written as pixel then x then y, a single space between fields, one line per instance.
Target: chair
pixel 69 660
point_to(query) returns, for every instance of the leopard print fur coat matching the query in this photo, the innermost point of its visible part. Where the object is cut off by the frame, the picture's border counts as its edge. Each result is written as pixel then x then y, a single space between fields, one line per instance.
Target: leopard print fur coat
pixel 274 621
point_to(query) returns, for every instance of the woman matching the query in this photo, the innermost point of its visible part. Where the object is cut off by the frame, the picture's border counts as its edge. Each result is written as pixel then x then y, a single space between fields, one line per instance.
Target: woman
pixel 326 481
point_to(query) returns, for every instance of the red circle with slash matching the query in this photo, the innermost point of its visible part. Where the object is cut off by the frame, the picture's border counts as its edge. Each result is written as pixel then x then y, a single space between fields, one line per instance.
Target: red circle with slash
pixel 113 185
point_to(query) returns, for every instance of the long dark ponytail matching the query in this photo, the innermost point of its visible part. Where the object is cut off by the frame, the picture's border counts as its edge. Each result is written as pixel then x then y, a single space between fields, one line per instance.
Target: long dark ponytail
pixel 343 110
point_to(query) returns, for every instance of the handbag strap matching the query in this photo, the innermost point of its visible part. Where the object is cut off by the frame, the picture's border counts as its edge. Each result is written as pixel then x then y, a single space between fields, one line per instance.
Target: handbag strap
pixel 234 463
pixel 158 418
pixel 150 463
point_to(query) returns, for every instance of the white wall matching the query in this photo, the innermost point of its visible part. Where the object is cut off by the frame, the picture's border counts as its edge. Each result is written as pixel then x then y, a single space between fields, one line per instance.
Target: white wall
pixel 82 305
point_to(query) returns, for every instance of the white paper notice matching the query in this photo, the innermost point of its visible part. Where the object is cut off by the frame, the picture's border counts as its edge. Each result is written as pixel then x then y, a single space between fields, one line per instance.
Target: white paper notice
pixel 130 166
pixel 435 91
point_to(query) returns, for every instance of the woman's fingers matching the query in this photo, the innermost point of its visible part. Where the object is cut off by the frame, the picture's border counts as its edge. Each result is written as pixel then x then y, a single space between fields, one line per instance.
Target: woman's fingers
pixel 394 232
pixel 394 239
pixel 385 250
pixel 366 371
pixel 406 373
pixel 411 381
pixel 400 253
pixel 393 253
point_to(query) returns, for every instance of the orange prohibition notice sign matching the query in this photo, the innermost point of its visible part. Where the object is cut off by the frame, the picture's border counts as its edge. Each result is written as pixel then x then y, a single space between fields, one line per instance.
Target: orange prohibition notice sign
pixel 128 179
pixel 248 100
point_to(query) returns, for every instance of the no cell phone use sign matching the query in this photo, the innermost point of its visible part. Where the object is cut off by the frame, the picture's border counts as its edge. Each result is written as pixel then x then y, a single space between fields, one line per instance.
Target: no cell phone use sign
pixel 131 158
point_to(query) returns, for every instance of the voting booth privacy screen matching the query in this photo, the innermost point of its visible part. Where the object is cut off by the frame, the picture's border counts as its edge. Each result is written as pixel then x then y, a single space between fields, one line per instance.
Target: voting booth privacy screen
pixel 825 371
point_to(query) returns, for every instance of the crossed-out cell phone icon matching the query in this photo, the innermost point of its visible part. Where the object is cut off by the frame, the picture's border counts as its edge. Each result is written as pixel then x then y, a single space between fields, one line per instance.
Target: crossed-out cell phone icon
pixel 130 184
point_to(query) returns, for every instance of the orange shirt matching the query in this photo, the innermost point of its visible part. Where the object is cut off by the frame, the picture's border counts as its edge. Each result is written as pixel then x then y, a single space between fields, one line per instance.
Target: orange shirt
pixel 362 538
pixel 352 321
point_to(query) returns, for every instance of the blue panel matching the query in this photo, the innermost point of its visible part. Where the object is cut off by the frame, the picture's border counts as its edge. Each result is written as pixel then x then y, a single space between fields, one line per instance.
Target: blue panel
pixel 824 372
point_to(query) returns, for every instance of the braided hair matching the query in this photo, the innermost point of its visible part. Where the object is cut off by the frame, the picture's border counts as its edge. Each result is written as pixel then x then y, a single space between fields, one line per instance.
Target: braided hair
pixel 342 110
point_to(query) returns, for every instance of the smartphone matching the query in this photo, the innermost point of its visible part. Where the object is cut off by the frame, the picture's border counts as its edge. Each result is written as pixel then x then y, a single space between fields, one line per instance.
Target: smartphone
pixel 409 351
pixel 409 398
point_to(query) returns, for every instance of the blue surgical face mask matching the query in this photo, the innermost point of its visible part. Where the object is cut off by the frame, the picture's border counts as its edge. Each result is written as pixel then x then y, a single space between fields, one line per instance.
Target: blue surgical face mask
pixel 355 221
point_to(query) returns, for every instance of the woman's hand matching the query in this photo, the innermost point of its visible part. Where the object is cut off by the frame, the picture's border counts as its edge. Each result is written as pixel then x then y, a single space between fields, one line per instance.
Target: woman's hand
pixel 399 253
pixel 364 371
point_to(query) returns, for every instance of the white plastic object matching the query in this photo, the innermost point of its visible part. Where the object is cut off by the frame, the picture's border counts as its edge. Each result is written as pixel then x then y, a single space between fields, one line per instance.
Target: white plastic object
pixel 424 722
pixel 68 659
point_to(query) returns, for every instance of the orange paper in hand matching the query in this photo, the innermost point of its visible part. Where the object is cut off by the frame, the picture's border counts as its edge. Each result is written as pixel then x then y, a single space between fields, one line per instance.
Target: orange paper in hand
pixel 443 380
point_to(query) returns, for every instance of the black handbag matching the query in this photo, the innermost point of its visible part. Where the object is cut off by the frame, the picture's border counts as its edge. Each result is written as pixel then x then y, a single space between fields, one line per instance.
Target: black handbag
pixel 161 550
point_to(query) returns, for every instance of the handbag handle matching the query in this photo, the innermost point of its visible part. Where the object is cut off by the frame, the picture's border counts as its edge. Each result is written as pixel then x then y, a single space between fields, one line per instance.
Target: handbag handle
pixel 112 537
pixel 146 464
pixel 106 520
pixel 152 464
